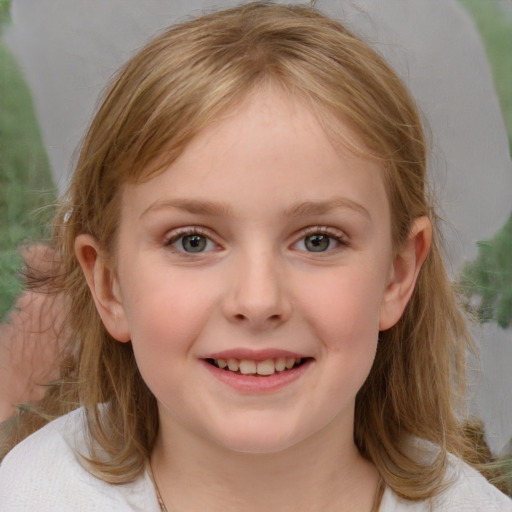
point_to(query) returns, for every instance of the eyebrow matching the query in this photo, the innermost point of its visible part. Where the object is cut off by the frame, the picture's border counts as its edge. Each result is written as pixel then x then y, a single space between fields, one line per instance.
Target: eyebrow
pixel 303 208
pixel 321 207
pixel 191 206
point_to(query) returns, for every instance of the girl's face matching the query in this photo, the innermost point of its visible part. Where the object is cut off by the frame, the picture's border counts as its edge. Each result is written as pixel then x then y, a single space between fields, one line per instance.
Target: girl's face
pixel 266 249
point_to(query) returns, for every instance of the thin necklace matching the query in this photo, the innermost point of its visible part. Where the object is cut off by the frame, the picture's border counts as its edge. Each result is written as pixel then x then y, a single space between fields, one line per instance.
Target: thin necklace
pixel 157 490
pixel 375 507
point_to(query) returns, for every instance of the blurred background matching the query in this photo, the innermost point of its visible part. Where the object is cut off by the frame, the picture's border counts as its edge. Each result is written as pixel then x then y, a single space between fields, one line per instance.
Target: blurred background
pixel 56 57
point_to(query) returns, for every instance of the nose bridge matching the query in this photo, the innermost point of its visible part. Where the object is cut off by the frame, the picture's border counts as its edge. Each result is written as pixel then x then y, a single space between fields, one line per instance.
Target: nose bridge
pixel 257 294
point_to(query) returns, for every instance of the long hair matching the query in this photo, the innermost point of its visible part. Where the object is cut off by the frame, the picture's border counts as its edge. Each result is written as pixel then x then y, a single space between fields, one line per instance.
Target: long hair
pixel 174 87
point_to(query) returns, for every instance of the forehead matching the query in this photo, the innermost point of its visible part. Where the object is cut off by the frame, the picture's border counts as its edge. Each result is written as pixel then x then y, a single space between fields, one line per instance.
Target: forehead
pixel 270 148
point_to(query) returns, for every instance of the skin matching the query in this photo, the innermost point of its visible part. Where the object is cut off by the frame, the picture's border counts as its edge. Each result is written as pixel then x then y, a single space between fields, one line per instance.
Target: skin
pixel 31 339
pixel 257 184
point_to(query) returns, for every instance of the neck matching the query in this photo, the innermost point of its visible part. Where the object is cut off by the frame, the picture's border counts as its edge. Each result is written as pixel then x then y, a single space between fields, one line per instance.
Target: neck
pixel 324 473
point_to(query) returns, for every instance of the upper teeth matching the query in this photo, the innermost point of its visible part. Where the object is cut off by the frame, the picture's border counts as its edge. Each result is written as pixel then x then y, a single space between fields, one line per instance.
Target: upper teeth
pixel 266 367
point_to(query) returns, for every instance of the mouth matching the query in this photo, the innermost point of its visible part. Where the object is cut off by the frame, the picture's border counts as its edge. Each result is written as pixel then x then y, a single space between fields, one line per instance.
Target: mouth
pixel 258 368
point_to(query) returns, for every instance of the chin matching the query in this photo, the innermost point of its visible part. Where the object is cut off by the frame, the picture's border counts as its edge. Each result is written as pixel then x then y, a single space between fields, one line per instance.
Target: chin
pixel 258 439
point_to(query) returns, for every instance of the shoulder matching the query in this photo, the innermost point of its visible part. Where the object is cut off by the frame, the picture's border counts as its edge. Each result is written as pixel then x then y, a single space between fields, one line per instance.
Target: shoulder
pixel 469 491
pixel 466 491
pixel 44 472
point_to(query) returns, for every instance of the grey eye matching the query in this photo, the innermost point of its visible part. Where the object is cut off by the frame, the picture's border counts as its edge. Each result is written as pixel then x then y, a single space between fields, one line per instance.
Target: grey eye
pixel 194 243
pixel 317 242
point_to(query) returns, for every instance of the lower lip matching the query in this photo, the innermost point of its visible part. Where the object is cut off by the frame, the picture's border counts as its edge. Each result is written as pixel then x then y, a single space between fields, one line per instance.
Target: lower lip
pixel 255 384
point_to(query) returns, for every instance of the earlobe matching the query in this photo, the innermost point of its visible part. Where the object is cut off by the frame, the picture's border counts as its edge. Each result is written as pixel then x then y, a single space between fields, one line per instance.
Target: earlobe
pixel 103 285
pixel 404 273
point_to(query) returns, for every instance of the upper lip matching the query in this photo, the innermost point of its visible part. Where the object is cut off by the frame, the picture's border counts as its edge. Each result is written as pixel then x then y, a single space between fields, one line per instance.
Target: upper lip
pixel 253 355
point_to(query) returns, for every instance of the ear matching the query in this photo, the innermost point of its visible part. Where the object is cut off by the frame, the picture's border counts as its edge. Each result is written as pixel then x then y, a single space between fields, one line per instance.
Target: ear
pixel 404 272
pixel 104 287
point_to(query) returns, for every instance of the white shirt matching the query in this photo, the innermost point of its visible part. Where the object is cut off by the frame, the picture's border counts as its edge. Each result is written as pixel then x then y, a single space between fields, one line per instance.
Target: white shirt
pixel 43 474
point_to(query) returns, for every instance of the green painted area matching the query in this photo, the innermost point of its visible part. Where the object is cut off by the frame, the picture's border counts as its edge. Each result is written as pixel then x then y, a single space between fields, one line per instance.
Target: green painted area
pixel 25 180
pixel 487 281
pixel 5 6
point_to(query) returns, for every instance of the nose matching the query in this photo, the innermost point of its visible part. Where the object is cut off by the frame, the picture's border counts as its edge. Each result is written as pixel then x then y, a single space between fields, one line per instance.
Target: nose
pixel 257 295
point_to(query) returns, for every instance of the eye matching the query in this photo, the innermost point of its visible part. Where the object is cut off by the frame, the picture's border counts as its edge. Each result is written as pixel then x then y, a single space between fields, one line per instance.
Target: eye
pixel 191 242
pixel 319 240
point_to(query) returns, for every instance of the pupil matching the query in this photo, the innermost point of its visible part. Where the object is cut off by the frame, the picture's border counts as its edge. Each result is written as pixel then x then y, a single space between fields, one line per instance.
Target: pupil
pixel 317 243
pixel 193 243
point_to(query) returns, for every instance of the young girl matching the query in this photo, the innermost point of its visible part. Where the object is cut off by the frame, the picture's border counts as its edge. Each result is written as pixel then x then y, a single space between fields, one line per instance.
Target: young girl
pixel 260 318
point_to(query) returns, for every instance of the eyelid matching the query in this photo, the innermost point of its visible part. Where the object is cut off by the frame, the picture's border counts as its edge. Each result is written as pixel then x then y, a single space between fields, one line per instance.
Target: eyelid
pixel 324 230
pixel 176 233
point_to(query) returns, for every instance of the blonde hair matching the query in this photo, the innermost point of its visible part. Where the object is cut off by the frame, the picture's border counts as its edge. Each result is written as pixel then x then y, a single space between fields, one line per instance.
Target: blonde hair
pixel 174 87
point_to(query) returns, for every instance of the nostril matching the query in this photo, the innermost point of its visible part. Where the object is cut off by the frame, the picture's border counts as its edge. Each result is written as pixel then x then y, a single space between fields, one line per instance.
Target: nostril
pixel 271 318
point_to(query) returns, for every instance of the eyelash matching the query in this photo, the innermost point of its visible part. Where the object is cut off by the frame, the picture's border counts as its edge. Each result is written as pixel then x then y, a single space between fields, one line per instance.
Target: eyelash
pixel 180 233
pixel 331 233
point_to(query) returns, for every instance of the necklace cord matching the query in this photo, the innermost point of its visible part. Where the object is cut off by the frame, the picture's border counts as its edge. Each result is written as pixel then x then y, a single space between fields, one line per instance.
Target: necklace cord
pixel 379 492
pixel 157 490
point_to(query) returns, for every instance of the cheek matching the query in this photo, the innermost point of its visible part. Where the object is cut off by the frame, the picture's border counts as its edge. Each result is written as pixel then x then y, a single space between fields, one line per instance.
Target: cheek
pixel 166 314
pixel 344 309
pixel 343 313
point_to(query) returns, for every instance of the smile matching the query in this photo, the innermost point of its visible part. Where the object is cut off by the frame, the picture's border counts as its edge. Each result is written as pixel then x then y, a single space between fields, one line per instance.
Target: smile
pixel 262 368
